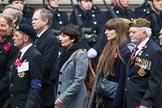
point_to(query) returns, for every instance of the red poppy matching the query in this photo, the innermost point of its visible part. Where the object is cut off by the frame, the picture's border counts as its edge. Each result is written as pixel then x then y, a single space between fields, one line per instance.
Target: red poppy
pixel 144 47
pixel 6 47
pixel 18 63
pixel 137 107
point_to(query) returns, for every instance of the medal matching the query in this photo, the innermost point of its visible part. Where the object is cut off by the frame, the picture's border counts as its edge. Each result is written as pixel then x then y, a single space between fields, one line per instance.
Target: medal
pixel 21 74
pixel 141 72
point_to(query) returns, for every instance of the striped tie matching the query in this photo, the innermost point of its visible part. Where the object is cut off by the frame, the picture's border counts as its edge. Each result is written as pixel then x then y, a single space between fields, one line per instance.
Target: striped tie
pixel 133 56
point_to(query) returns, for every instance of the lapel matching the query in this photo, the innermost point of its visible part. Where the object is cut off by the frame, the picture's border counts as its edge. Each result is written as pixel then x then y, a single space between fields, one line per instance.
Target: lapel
pixel 67 62
pixel 143 55
pixel 24 57
pixel 41 38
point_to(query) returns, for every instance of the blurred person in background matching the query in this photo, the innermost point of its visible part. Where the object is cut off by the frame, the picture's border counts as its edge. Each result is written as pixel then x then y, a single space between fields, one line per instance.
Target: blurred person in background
pixel 90 19
pixel 152 11
pixel 119 9
pixel 14 12
pixel 25 9
pixel 60 18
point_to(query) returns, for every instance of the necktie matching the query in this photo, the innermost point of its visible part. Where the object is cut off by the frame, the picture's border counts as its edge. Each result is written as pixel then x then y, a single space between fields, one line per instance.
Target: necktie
pixel 36 39
pixel 132 59
pixel 19 55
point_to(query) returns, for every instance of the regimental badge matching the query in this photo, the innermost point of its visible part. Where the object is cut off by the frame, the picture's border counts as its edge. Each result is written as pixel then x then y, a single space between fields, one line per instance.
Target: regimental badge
pixel 17 27
pixel 134 22
pixel 80 15
pixel 21 74
pixel 141 72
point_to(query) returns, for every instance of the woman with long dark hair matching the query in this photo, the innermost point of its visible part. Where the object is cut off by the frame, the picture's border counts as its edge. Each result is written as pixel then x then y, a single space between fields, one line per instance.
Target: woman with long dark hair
pixel 113 60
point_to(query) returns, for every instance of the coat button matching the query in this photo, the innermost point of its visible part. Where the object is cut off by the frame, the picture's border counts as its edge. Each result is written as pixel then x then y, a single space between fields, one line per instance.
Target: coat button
pixel 60 82
pixel 60 72
pixel 11 85
pixel 11 95
pixel 128 78
pixel 125 89
pixel 59 92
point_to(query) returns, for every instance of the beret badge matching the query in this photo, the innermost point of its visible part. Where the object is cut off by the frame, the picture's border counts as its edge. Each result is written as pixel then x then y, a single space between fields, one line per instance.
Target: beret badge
pixel 17 27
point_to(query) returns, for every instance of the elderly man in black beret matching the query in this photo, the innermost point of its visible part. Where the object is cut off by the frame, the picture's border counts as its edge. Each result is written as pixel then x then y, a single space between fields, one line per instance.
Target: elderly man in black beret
pixel 25 77
pixel 144 76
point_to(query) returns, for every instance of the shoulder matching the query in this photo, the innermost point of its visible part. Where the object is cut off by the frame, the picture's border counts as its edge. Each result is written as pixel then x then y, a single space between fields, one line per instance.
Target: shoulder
pixel 152 46
pixel 80 54
pixel 49 35
pixel 62 13
pixel 97 9
pixel 34 51
pixel 124 49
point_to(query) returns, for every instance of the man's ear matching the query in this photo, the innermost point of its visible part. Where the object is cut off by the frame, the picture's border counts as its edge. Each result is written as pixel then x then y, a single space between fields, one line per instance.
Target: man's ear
pixel 26 38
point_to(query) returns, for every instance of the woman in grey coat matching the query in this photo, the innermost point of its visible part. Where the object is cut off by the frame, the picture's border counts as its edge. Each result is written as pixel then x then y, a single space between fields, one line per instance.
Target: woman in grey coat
pixel 72 90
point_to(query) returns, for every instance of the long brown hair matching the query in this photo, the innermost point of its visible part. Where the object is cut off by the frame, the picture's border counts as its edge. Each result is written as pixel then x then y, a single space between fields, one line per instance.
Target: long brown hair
pixel 107 59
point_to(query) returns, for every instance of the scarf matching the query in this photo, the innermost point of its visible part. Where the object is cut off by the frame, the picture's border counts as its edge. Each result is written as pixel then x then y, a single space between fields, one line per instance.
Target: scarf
pixel 66 53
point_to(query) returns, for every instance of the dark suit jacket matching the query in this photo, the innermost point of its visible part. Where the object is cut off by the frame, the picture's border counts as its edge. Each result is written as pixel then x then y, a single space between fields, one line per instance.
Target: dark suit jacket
pixel 22 94
pixel 138 76
pixel 48 45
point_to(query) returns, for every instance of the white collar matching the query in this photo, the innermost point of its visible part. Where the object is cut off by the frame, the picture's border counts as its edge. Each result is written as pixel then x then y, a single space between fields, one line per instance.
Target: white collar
pixel 143 43
pixel 39 35
pixel 23 50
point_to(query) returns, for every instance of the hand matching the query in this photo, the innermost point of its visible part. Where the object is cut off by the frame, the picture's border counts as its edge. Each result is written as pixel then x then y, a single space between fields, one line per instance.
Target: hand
pixel 92 53
pixel 58 102
pixel 144 107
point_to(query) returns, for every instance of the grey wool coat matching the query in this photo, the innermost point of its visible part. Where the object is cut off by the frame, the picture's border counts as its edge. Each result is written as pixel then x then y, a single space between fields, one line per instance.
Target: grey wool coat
pixel 71 87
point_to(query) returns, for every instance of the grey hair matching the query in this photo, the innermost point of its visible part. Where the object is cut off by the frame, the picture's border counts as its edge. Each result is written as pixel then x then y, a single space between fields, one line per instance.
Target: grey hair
pixel 148 30
pixel 16 13
pixel 7 18
pixel 46 14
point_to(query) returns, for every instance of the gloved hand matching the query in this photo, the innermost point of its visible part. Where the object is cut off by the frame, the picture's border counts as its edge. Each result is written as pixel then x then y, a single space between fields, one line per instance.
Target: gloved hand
pixel 92 53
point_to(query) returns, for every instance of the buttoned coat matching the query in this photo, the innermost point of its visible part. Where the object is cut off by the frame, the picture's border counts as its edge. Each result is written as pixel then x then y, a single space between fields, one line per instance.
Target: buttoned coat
pixel 22 92
pixel 92 19
pixel 139 89
pixel 119 12
pixel 155 19
pixel 48 46
pixel 71 87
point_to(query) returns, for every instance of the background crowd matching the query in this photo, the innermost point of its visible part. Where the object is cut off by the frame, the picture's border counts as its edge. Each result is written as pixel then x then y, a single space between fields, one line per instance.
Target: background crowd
pixel 44 55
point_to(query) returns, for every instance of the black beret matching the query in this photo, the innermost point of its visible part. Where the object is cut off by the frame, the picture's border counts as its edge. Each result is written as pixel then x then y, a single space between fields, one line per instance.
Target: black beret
pixel 26 29
pixel 10 1
pixel 140 22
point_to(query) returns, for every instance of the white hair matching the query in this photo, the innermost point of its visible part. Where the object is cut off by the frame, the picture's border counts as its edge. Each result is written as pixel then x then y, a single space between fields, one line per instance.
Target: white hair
pixel 148 30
